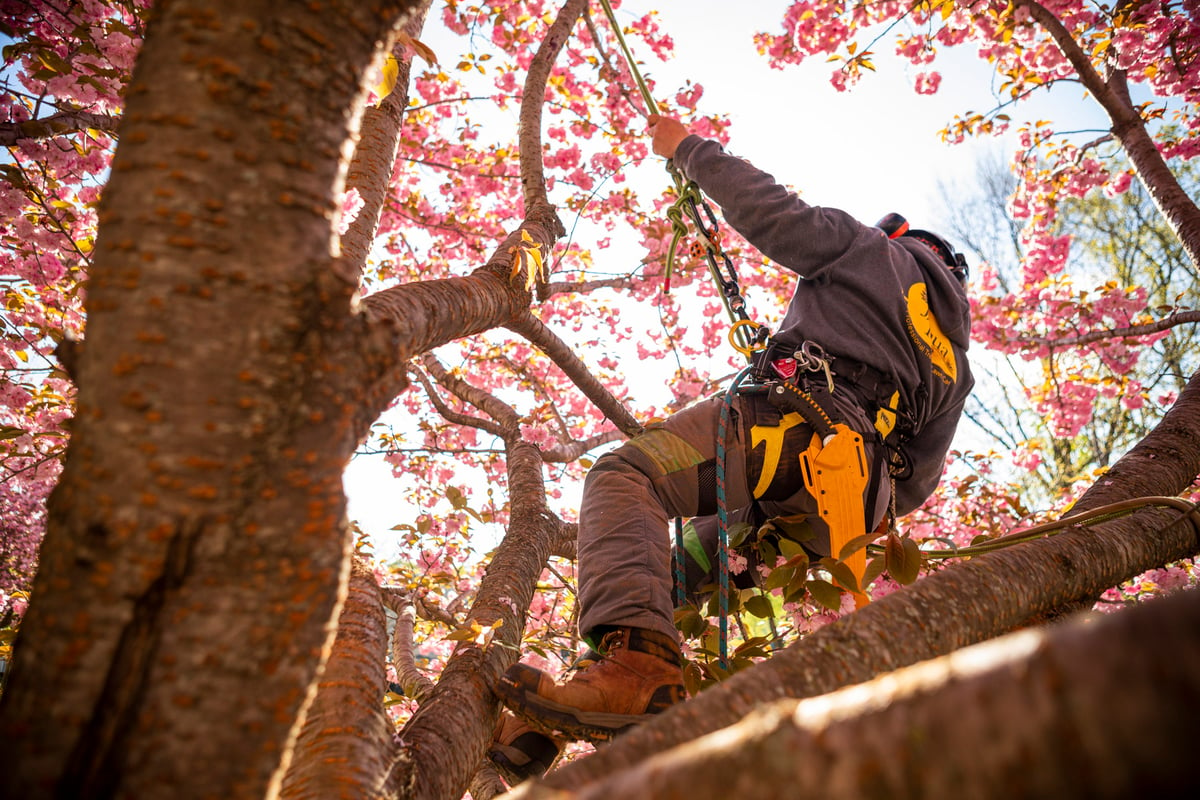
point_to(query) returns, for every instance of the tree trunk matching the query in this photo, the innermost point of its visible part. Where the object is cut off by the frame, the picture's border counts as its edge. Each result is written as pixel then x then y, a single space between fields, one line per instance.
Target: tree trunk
pixel 963 604
pixel 1086 709
pixel 196 543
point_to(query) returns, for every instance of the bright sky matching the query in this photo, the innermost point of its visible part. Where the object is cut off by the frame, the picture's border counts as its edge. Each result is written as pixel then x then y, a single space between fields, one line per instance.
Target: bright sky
pixel 869 151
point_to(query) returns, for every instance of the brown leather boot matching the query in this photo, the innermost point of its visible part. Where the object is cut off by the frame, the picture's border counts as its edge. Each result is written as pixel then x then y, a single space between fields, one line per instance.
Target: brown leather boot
pixel 519 752
pixel 638 675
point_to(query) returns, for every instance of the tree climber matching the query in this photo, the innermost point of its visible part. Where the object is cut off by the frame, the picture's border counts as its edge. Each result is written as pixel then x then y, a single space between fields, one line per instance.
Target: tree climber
pixel 874 339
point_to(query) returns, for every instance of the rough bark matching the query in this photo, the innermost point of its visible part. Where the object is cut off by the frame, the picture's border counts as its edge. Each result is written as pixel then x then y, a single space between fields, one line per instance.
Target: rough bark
pixel 1086 709
pixel 345 745
pixel 964 604
pixel 196 543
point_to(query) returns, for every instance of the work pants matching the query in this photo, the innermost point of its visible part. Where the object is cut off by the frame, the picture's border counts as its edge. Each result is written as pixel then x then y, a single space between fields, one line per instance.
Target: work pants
pixel 669 470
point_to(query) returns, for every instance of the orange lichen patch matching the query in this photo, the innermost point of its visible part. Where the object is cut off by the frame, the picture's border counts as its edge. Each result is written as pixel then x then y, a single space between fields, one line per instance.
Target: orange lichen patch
pixel 203 492
pixel 245 375
pixel 154 416
pixel 214 204
pixel 182 219
pixel 251 528
pixel 159 533
pixel 74 652
pixel 246 402
pixel 268 493
pixel 149 500
pixel 149 337
pixel 181 241
pixel 126 364
pixel 221 66
pixel 184 700
pixel 164 191
pixel 199 462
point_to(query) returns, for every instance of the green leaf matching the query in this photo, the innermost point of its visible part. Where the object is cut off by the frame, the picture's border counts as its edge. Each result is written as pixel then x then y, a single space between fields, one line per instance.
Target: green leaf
pixel 903 559
pixel 689 622
pixel 789 549
pixel 739 532
pixel 841 573
pixel 826 594
pixel 796 528
pixel 778 578
pixel 856 544
pixel 874 568
pixel 760 606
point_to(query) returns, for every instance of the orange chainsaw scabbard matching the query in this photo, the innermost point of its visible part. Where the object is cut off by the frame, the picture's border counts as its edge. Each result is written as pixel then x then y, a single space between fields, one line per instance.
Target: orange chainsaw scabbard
pixel 835 474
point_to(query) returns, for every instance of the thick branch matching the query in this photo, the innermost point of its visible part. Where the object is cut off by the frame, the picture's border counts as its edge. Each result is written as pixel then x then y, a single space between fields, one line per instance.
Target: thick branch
pixel 544 339
pixel 427 314
pixel 347 737
pixel 447 738
pixel 370 171
pixel 932 730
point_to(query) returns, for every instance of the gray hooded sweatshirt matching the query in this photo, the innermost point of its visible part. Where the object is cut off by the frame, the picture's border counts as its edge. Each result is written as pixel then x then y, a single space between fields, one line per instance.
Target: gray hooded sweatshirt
pixel 891 304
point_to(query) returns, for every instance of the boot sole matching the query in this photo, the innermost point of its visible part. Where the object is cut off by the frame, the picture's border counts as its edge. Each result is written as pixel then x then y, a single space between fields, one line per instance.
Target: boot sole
pixel 553 718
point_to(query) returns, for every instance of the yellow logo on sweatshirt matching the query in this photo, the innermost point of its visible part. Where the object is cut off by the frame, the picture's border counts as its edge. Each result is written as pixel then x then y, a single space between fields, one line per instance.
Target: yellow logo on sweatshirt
pixel 927 335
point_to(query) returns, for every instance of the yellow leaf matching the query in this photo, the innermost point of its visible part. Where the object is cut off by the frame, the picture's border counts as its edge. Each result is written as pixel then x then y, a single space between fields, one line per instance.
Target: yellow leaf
pixel 391 71
pixel 527 260
pixel 947 9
